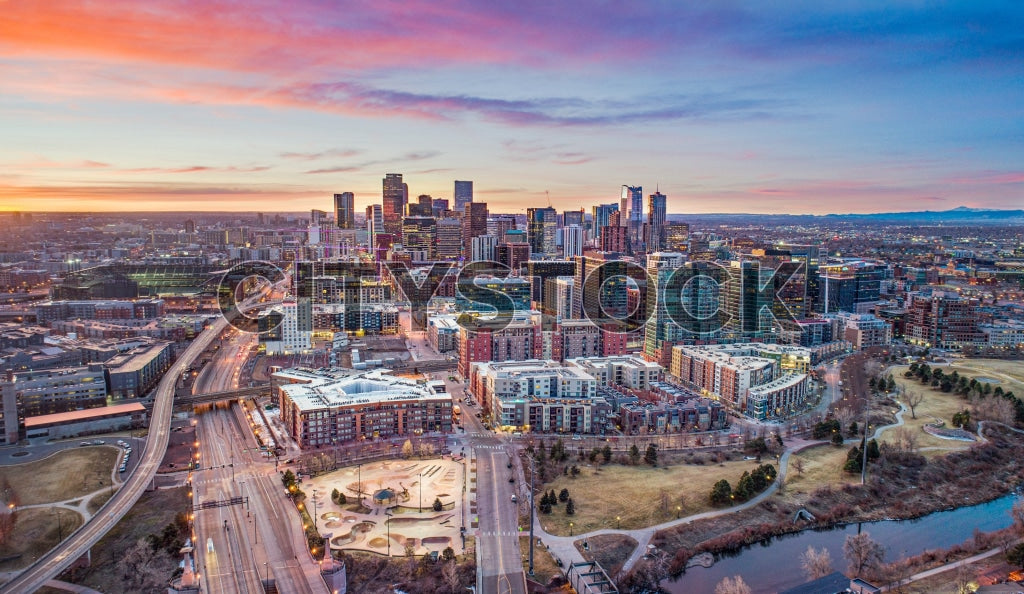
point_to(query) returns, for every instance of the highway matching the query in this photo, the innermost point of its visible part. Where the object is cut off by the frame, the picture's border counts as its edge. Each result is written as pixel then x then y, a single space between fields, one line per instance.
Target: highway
pixel 76 545
pixel 249 542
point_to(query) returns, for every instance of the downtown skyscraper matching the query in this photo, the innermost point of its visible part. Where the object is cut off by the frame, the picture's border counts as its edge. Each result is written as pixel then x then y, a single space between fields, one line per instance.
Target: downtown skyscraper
pixel 463 194
pixel 345 210
pixel 657 216
pixel 395 197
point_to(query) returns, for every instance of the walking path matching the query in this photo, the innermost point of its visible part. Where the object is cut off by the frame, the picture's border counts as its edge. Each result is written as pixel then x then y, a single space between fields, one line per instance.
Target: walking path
pixel 562 547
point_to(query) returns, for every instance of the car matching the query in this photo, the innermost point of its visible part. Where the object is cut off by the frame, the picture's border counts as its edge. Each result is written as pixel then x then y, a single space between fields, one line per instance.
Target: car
pixel 478 415
pixel 511 479
pixel 514 499
pixel 98 442
pixel 577 437
pixel 509 465
pixel 83 444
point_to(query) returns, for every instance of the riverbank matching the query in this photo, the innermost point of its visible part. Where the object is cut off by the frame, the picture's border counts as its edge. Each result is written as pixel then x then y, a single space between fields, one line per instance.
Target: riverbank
pixel 901 485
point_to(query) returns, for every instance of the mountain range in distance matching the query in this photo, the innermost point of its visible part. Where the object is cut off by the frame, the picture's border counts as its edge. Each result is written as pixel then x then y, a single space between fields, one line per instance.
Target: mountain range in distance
pixel 959 215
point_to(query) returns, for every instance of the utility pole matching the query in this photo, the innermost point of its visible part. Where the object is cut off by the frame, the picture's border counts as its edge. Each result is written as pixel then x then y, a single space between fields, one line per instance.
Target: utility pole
pixel 864 448
pixel 533 482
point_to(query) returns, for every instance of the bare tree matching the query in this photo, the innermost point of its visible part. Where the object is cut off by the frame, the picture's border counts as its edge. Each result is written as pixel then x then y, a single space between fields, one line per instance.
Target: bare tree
pixel 862 553
pixel 664 501
pixel 816 563
pixel 450 573
pixel 872 368
pixel 913 399
pixel 732 585
pixel 964 576
pixel 1017 512
pixel 999 410
pixel 844 415
pixel 407 449
pixel 905 439
pixel 798 465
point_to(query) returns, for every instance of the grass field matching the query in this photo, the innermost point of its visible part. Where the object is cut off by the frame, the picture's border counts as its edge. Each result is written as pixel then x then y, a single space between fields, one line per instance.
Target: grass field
pixel 68 474
pixel 823 465
pixel 942 405
pixel 633 494
pixel 154 510
pixel 37 531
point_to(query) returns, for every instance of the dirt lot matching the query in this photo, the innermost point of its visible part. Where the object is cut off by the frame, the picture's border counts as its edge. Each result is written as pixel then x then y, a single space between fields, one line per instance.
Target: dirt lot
pixel 633 494
pixel 544 567
pixel 179 448
pixel 153 511
pixel 65 475
pixel 36 532
pixel 609 550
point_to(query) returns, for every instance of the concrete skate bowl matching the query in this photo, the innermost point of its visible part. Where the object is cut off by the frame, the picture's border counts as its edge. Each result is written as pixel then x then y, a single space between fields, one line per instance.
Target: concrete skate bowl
pixel 355 535
pixel 379 543
pixel 334 519
pixel 438 519
pixel 436 543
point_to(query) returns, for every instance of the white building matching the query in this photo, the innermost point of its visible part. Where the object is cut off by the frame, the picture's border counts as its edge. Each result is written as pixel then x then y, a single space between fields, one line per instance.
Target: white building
pixel 628 371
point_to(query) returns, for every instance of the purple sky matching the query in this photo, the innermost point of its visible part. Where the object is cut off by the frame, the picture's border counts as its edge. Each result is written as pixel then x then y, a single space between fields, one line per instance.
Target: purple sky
pixel 726 107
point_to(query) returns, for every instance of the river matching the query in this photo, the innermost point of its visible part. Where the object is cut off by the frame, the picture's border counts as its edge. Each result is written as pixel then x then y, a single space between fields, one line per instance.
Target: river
pixel 774 564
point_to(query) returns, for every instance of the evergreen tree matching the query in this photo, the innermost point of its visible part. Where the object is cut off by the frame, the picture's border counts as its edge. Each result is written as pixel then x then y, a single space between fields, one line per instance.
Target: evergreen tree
pixel 651 455
pixel 570 507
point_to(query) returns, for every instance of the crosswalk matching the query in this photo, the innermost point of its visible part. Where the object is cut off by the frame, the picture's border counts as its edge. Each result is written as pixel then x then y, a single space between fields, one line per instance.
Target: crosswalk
pixel 498 533
pixel 490 447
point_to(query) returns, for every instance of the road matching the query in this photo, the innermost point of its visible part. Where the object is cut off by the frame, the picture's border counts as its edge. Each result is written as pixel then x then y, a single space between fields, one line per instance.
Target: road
pixel 259 539
pixel 499 566
pixel 76 545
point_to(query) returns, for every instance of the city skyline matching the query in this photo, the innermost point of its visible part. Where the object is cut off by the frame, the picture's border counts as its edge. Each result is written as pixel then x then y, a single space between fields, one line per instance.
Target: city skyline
pixel 724 109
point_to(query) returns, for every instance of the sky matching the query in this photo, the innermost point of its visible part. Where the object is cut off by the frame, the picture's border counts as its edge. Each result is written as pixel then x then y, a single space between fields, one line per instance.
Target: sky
pixel 775 107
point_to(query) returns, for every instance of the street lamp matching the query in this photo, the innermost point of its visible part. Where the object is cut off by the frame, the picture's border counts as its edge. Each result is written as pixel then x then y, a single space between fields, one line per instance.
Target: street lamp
pixel 617 520
pixel 387 522
pixel 315 491
pixel 570 528
pixel 421 491
pixel 679 509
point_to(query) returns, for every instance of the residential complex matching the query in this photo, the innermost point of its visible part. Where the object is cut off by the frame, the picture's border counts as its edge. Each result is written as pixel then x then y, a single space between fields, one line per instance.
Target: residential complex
pixel 321 408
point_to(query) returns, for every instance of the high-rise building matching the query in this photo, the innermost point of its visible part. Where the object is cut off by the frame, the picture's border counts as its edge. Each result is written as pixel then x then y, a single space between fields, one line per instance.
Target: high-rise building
pixel 513 255
pixel 418 237
pixel 449 238
pixel 374 224
pixel 572 241
pixel 602 217
pixel 635 197
pixel 345 210
pixel 395 197
pixel 474 223
pixel 463 194
pixel 747 308
pixel 660 331
pixel 499 225
pixel 438 207
pixel 482 249
pixel 572 217
pixel 423 207
pixel 614 239
pixel 540 231
pixel 677 236
pixel 657 216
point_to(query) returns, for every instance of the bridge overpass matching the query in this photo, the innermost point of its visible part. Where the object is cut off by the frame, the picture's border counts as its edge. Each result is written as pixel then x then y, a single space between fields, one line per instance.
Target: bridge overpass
pixel 225 396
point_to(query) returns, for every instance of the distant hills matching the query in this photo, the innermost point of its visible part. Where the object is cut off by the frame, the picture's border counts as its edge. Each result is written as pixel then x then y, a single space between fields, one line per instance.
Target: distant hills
pixel 959 215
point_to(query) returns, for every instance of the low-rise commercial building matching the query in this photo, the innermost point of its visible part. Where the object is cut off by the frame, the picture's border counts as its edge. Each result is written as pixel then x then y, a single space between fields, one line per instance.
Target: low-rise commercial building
pixel 118 417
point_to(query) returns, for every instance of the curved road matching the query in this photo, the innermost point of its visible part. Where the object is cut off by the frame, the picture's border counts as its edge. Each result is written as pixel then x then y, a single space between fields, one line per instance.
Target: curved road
pixel 57 560
pixel 76 545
